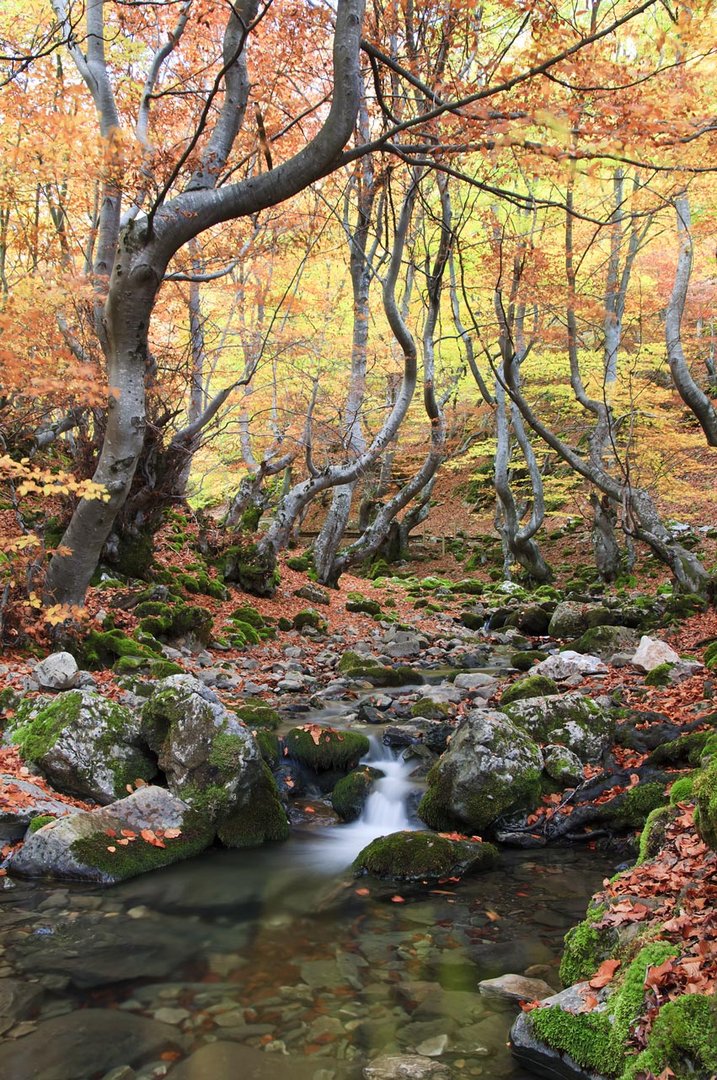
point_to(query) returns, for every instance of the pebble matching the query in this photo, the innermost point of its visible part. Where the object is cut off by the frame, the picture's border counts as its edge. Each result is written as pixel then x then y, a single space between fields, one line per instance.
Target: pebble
pixel 167 1015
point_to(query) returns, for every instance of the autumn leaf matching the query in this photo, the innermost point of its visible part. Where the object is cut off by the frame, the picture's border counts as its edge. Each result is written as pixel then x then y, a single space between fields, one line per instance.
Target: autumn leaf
pixel 604 974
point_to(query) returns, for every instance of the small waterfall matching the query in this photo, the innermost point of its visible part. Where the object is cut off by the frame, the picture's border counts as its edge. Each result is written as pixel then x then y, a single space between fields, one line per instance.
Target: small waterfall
pixel 385 810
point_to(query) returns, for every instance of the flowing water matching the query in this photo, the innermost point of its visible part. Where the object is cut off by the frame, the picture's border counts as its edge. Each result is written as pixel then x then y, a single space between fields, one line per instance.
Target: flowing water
pixel 297 968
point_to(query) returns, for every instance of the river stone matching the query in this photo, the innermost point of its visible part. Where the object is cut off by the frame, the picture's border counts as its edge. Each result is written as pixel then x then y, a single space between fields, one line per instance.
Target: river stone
pixel 76 846
pixel 18 999
pixel 515 988
pixel 33 801
pixel 492 767
pixel 568 663
pixel 541 1059
pixel 85 1044
pixel 651 653
pixel 58 671
pixel 405 1067
pixel 222 1060
pixel 572 720
pixel 85 744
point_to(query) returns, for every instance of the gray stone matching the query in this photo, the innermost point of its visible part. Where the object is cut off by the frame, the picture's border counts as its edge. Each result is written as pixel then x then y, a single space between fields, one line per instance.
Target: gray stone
pixel 14 823
pixel 515 988
pixel 651 652
pixel 58 671
pixel 49 851
pixel 562 765
pixel 568 663
pixel 405 1067
pixel 18 1000
pixel 571 720
pixel 476 680
pixel 84 1043
pixel 569 620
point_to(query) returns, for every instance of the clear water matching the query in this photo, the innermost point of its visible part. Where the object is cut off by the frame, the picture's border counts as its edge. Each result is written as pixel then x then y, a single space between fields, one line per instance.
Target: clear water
pixel 280 953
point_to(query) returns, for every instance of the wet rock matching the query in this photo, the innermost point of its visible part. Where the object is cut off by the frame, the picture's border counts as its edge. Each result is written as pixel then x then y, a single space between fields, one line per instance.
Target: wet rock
pixel 85 845
pixel 482 685
pixel 433 1047
pixel 431 733
pixel 34 801
pixel 85 744
pixel 492 767
pixel 58 671
pixel 568 663
pixel 572 720
pixel 405 1067
pixel 423 856
pixel 515 988
pixel 19 1000
pixel 541 1059
pixel 401 644
pixel 84 1044
pixel 651 653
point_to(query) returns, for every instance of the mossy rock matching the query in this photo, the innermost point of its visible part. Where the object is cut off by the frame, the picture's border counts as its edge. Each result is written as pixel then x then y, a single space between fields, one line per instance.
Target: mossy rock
pixel 524 661
pixel 310 618
pixel 472 621
pixel 135 555
pixel 370 671
pixel 431 710
pixel 100 648
pixel 302 562
pixel 682 791
pixel 351 660
pixel 423 857
pixel 683 751
pixel 705 790
pixel 683 1040
pixel 140 857
pixel 652 837
pixel 39 821
pixel 350 794
pixel 269 747
pixel 586 946
pixel 357 602
pixel 468 586
pixel 257 714
pixel 532 686
pixel 631 809
pixel 659 676
pixel 248 634
pixel 324 748
pixel 245 613
pixel 259 819
pixel 252 570
pixel 180 620
pixel 605 641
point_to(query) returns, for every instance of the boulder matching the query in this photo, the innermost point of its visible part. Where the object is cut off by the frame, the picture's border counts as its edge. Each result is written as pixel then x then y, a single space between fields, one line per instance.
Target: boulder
pixel 27 801
pixel 212 760
pixel 85 744
pixel 569 620
pixel 89 846
pixel 539 1058
pixel 604 641
pixel 491 768
pixel 568 663
pixel 401 644
pixel 571 720
pixel 515 988
pixel 423 857
pixel 59 671
pixel 481 685
pixel 562 765
pixel 651 653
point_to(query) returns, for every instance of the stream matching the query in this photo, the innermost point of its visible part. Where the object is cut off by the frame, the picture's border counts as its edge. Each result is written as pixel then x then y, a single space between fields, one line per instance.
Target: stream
pixel 297 968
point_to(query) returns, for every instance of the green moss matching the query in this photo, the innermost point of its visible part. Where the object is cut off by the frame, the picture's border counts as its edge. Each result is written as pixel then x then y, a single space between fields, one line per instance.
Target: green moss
pixel 262 818
pixel 431 710
pixel 334 749
pixel 586 947
pixel 245 613
pixel 100 648
pixel 652 837
pixel 418 856
pixel 139 857
pixel 530 687
pixel 351 660
pixel 39 821
pixel 682 790
pixel 659 676
pixel 350 794
pixel 181 619
pixel 302 562
pixel 135 555
pixel 227 752
pixel 357 602
pixel 683 1039
pixel 35 736
pixel 705 790
pixel 269 747
pixel 256 713
pixel 311 618
pixel 468 586
pixel 524 661
pixel 602 639
pixel 631 809
pixel 253 570
pixel 162 669
pixel 248 633
pixel 686 750
pixel 491 801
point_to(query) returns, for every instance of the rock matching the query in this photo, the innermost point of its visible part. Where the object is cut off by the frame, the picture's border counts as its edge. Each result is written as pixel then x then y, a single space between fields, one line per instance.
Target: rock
pixel 515 988
pixel 604 641
pixel 313 594
pixel 85 744
pixel 77 847
pixel 423 856
pixel 571 720
pixel 212 760
pixel 569 620
pixel 405 1067
pixel 651 652
pixel 562 765
pixel 567 663
pixel 18 1000
pixel 484 685
pixel 350 794
pixel 87 1043
pixel 541 1059
pixel 432 1047
pixel 403 643
pixel 431 733
pixel 491 768
pixel 58 671
pixel 34 801
pixel 531 619
pixel 221 1060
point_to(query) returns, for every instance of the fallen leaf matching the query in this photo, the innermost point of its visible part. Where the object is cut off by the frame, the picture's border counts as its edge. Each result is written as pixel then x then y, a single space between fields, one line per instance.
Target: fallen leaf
pixel 604 974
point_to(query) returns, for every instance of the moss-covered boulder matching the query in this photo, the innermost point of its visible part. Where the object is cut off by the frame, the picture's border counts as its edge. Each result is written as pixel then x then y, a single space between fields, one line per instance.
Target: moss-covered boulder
pixel 705 791
pixel 586 946
pixel 325 749
pixel 210 759
pixel 350 794
pixel 569 620
pixel 101 648
pixel 256 820
pixel 491 768
pixel 85 744
pixel 530 687
pixel 562 765
pixel 631 809
pixel 356 666
pixel 652 837
pixel 251 569
pixel 682 1042
pixel 310 619
pixel 255 713
pixel 423 857
pixel 357 602
pixel 530 618
pixel 524 660
pixel 107 845
pixel 570 720
pixel 180 620
pixel 605 641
